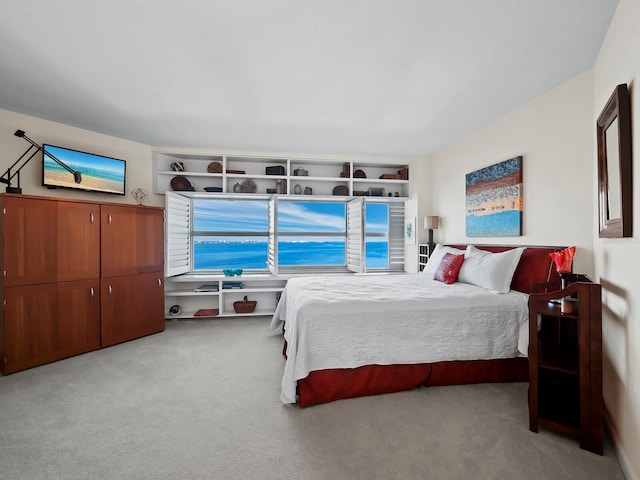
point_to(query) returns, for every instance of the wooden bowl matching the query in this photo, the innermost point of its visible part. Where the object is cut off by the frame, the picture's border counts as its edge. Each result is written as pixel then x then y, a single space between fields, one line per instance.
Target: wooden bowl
pixel 214 167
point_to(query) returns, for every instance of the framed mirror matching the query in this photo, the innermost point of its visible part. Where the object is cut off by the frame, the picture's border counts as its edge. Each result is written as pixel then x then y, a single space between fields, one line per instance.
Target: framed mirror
pixel 615 195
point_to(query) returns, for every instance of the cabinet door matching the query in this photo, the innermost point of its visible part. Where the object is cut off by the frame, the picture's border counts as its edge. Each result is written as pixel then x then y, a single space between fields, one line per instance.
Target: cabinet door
pixel 78 242
pixel 43 323
pixel 30 241
pixel 150 303
pixel 78 317
pixel 118 240
pixel 132 306
pixel 150 240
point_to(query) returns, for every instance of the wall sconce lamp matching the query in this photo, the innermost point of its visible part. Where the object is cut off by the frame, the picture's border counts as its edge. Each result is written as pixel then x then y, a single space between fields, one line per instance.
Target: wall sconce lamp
pixel 13 172
pixel 431 223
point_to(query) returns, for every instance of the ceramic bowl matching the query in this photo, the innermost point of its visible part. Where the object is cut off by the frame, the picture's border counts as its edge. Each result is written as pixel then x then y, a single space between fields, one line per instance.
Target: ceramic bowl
pixel 232 272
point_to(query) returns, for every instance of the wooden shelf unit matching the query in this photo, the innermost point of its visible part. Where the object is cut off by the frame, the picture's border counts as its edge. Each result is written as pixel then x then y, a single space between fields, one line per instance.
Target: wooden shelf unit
pixel 565 362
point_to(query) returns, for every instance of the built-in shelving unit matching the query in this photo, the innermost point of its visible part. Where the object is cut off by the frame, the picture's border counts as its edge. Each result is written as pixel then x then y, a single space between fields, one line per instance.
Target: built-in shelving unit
pixel 181 290
pixel 261 176
pixel 248 175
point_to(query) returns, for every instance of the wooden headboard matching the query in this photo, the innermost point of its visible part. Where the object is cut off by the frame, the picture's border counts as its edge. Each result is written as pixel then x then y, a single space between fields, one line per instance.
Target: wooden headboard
pixel 536 266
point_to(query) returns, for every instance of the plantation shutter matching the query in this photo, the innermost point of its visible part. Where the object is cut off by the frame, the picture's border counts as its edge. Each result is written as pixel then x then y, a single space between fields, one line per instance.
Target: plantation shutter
pixel 355 236
pixel 177 234
pixel 396 236
pixel 272 254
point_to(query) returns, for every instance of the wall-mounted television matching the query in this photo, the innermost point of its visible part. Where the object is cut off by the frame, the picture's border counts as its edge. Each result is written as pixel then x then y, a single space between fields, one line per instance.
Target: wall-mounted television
pixel 96 172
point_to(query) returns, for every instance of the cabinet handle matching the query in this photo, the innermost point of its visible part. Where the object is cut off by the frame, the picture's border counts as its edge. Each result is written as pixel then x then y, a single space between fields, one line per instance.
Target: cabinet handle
pixel 109 289
pixel 91 217
pixel 109 219
pixel 92 292
pixel 159 282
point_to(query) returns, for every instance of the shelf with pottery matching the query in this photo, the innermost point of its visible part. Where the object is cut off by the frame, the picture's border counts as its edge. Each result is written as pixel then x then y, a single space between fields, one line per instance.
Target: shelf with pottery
pixel 277 175
pixel 181 291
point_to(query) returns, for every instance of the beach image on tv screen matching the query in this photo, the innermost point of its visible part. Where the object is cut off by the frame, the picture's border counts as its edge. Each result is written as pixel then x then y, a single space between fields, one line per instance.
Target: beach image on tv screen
pixel 99 173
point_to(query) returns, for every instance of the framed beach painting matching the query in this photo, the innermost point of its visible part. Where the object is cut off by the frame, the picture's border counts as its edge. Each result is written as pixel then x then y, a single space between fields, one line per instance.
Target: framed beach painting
pixel 494 200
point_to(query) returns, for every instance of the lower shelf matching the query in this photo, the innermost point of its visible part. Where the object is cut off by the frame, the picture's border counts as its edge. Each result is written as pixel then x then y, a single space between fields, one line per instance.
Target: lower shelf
pixel 558 401
pixel 181 292
pixel 191 315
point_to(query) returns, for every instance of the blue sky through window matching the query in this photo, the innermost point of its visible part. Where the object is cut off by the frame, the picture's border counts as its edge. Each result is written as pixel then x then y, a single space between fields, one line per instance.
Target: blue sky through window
pixel 311 217
pixel 377 235
pixel 221 215
pixel 377 220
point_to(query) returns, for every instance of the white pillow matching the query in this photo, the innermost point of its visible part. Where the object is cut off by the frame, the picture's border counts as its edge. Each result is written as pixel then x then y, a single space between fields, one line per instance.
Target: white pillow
pixel 493 271
pixel 436 257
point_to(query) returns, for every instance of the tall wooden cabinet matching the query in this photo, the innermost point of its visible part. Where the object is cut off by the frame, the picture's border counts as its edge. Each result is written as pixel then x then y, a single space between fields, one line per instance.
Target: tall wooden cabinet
pixel 565 362
pixel 58 257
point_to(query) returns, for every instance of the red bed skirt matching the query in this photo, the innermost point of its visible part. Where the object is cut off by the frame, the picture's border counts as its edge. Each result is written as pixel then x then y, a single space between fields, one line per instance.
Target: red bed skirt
pixel 324 386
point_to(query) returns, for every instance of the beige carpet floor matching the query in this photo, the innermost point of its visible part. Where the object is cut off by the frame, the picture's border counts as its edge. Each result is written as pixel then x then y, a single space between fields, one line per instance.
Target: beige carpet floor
pixel 201 401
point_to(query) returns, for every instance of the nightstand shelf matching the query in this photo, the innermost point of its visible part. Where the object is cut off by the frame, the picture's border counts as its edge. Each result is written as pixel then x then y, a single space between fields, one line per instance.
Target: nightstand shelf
pixel 424 250
pixel 565 362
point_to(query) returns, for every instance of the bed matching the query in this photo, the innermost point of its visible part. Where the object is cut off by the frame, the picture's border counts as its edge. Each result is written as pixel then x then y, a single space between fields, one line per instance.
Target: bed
pixel 349 336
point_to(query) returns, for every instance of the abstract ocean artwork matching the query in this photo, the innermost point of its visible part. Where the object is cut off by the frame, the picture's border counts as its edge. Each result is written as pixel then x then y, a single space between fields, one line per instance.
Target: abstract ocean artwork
pixel 494 200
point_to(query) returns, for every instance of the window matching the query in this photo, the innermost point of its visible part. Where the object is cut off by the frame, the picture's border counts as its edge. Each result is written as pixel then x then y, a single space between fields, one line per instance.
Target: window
pixel 311 234
pixel 230 233
pixel 377 235
pixel 283 234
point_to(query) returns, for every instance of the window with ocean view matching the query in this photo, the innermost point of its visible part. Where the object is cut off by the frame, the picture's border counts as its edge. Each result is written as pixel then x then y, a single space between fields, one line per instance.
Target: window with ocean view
pixel 234 233
pixel 377 235
pixel 311 233
pixel 230 233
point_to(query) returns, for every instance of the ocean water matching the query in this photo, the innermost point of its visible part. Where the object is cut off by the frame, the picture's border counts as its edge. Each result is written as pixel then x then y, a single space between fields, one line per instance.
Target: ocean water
pixel 252 255
pixel 502 224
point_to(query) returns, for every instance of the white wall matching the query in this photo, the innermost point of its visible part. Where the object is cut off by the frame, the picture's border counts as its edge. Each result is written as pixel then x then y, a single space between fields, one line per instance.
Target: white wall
pixel 554 134
pixel 616 260
pixel 137 156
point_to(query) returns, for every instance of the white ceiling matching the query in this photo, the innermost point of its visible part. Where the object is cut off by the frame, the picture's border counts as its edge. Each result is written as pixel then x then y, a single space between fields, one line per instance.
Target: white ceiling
pixel 370 77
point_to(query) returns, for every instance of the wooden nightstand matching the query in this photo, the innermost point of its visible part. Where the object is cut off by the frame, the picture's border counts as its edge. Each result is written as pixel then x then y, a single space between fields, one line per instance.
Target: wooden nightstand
pixel 565 361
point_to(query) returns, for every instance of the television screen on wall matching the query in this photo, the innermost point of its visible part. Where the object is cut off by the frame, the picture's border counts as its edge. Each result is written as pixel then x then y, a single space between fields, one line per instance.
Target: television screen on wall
pixel 82 171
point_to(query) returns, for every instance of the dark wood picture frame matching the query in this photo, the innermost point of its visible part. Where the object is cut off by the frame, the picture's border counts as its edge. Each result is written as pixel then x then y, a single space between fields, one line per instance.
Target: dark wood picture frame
pixel 615 188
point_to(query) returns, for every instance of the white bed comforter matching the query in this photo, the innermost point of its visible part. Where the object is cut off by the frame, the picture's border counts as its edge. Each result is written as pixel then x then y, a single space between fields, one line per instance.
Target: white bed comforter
pixel 348 322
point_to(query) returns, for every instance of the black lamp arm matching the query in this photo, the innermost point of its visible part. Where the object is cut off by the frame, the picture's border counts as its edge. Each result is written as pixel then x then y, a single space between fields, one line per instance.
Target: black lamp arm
pixel 13 172
pixel 76 175
pixel 9 176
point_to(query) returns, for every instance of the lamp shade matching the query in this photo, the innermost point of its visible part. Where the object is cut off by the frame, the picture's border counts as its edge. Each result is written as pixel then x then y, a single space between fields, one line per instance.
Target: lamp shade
pixel 431 222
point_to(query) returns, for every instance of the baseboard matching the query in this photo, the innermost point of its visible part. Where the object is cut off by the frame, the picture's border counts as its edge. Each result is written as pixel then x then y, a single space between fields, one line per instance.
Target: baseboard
pixel 622 457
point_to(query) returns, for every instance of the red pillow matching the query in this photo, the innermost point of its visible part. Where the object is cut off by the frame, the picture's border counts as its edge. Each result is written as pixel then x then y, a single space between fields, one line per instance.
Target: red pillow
pixel 449 267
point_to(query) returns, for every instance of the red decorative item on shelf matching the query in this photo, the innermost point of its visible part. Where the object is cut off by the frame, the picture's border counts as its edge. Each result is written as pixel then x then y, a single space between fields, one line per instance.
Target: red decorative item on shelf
pixel 563 259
